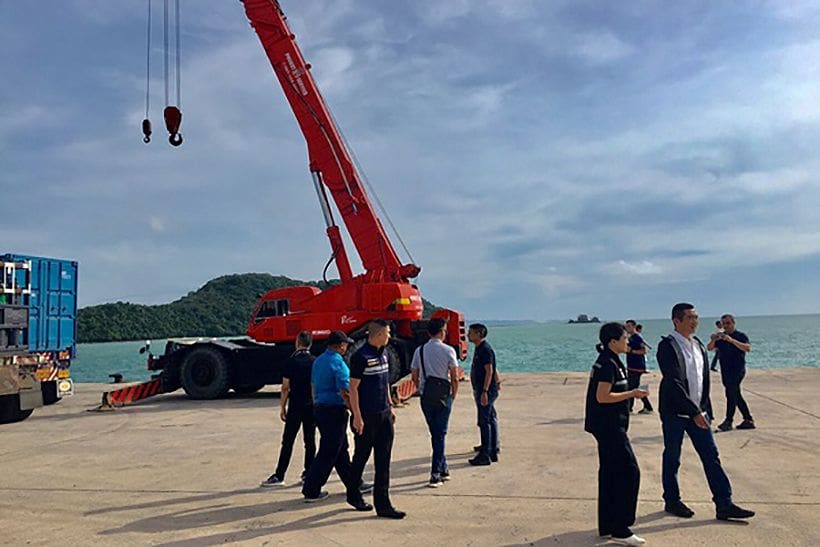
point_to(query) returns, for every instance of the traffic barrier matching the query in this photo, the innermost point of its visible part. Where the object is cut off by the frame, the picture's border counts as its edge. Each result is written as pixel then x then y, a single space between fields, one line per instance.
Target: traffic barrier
pixel 130 394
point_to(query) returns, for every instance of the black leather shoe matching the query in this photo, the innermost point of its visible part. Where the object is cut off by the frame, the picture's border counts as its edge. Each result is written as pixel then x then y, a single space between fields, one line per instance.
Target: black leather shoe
pixel 360 505
pixel 734 512
pixel 679 509
pixel 391 513
pixel 481 459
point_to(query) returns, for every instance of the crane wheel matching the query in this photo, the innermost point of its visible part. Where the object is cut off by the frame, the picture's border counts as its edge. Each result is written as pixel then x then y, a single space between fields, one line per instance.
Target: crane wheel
pixel 205 374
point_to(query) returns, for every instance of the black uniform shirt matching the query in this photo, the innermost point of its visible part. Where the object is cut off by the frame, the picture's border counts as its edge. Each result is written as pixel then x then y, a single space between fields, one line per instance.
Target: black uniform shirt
pixel 603 417
pixel 482 355
pixel 732 360
pixel 297 370
pixel 370 365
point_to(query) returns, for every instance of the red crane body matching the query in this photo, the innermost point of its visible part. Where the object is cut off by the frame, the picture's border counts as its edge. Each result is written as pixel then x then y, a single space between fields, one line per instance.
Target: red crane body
pixel 384 289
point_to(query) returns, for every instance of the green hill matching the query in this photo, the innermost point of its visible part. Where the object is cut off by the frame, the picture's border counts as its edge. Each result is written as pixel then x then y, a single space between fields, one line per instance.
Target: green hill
pixel 221 307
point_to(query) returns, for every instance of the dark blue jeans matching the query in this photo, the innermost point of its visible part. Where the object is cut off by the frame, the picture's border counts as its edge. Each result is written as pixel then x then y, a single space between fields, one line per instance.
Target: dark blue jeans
pixel 332 423
pixel 704 442
pixel 487 422
pixel 438 417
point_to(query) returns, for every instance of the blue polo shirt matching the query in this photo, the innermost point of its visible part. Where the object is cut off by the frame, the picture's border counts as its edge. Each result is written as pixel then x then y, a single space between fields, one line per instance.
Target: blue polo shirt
pixel 636 362
pixel 329 377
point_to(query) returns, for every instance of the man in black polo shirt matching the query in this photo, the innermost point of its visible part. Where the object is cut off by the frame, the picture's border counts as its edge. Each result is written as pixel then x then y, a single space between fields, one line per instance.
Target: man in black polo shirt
pixel 732 347
pixel 296 409
pixel 373 415
pixel 483 377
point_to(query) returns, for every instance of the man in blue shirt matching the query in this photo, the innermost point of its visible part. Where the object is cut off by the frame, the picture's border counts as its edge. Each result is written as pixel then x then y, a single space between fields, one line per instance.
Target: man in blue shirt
pixel 373 415
pixel 330 378
pixel 636 363
pixel 732 347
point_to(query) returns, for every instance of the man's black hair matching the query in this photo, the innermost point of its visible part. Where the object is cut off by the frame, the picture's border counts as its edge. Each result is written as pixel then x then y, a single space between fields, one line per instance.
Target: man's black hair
pixel 435 326
pixel 304 339
pixel 480 329
pixel 679 310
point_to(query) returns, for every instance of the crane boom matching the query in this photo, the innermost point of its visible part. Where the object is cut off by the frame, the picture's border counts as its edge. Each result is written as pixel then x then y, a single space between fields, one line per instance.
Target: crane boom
pixel 330 161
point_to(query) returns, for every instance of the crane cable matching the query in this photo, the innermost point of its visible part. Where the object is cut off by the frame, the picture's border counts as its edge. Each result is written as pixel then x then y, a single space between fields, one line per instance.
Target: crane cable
pixel 370 187
pixel 172 114
pixel 146 123
pixel 355 159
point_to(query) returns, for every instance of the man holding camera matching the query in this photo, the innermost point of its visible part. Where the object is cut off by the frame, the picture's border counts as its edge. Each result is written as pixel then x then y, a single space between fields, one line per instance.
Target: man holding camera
pixel 732 347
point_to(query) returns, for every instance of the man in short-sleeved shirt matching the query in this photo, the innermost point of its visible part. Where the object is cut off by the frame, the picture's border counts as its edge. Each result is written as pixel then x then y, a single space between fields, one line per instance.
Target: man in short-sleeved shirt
pixel 483 376
pixel 732 347
pixel 373 416
pixel 296 409
pixel 636 363
pixel 439 360
pixel 331 386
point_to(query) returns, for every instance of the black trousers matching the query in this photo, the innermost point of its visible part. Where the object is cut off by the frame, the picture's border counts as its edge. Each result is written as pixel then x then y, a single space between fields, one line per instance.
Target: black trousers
pixel 734 399
pixel 377 437
pixel 332 423
pixel 633 380
pixel 295 419
pixel 619 479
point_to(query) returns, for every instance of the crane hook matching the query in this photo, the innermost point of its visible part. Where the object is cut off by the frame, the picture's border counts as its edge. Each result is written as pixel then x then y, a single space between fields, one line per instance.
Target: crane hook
pixel 173 119
pixel 146 130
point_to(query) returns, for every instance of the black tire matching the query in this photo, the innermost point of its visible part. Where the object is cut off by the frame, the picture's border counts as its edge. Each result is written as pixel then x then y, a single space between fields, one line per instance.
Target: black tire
pixel 49 392
pixel 247 389
pixel 10 410
pixel 169 379
pixel 205 374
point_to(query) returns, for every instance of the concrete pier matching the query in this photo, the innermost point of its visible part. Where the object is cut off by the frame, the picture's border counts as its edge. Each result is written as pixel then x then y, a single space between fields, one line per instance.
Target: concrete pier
pixel 170 471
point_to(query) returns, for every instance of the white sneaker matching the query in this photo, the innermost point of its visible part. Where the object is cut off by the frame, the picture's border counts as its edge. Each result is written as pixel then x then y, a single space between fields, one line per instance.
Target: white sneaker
pixel 631 540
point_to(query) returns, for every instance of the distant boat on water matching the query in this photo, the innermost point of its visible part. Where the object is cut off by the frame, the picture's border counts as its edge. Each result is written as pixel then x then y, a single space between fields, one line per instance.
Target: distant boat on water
pixel 584 318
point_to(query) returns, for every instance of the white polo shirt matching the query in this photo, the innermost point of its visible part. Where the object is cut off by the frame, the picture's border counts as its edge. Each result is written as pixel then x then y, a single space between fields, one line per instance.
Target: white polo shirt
pixel 438 359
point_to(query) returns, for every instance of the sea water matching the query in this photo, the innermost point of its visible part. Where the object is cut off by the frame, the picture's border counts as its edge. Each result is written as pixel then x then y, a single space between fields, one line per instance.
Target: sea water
pixel 782 341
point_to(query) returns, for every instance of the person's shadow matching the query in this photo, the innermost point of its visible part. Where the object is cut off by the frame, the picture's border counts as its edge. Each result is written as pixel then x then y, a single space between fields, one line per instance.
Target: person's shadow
pixel 590 537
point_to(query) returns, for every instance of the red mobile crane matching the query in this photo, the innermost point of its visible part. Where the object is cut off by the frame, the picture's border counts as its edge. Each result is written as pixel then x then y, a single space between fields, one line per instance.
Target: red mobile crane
pixel 209 368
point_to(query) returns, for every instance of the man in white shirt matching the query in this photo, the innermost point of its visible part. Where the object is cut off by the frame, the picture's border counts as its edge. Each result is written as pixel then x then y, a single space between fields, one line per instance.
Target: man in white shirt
pixel 684 402
pixel 434 364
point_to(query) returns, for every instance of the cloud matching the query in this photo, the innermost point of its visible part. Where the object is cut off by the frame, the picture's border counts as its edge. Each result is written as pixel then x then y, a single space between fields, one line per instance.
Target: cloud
pixel 539 159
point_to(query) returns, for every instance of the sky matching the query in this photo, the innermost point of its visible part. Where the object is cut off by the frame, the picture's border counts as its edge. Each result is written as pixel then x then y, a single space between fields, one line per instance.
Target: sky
pixel 540 159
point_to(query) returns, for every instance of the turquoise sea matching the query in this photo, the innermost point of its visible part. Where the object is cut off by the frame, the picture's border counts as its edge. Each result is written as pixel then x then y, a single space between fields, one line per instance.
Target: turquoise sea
pixel 781 341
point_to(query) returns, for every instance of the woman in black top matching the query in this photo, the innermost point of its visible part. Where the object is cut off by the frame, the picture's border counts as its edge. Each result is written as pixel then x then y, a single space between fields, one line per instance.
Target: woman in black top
pixel 607 418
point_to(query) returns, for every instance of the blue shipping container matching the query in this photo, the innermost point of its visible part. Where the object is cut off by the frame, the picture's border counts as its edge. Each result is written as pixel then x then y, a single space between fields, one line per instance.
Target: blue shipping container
pixel 53 305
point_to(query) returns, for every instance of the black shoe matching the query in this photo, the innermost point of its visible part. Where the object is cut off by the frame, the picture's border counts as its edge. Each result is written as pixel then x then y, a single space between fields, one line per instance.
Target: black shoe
pixel 360 505
pixel 322 495
pixel 273 480
pixel 481 459
pixel 725 426
pixel 679 509
pixel 746 424
pixel 494 458
pixel 391 513
pixel 732 511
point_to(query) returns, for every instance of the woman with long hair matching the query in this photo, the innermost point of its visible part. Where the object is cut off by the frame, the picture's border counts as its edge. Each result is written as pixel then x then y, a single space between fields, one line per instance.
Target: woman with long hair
pixel 607 418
